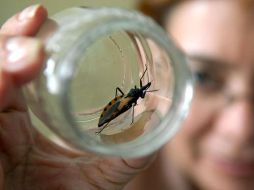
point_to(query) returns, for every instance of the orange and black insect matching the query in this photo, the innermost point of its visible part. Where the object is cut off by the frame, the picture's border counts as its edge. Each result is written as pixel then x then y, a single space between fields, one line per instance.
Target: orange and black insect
pixel 122 103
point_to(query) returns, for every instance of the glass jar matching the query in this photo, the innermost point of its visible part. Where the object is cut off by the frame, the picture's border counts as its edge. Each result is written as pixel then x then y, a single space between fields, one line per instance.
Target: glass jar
pixel 95 56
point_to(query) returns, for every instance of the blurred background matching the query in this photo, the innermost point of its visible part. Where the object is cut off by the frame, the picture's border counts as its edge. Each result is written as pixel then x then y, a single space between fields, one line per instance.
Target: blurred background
pixel 10 7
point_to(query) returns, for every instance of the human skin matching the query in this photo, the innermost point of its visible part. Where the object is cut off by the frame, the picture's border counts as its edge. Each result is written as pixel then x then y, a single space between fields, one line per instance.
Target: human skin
pixel 27 159
pixel 214 149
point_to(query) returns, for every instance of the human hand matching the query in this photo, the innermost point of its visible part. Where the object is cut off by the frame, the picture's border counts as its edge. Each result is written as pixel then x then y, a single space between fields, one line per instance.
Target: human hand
pixel 27 159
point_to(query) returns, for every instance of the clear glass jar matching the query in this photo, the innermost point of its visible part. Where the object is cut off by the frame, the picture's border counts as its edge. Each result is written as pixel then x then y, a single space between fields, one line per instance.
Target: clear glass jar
pixel 91 52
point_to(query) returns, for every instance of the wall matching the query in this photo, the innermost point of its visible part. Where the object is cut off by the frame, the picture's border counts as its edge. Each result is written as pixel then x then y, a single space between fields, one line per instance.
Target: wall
pixel 10 7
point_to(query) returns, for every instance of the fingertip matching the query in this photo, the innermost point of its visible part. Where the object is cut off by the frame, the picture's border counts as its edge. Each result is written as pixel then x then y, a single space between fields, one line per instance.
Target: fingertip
pixel 27 22
pixel 31 12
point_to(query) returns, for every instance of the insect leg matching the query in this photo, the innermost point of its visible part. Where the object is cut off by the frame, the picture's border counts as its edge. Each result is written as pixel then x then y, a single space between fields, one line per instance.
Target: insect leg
pixel 140 81
pixel 118 89
pixel 98 132
pixel 133 112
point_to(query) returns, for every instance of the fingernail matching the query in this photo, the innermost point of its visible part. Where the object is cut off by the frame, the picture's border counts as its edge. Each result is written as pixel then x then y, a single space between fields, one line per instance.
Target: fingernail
pixel 20 52
pixel 27 13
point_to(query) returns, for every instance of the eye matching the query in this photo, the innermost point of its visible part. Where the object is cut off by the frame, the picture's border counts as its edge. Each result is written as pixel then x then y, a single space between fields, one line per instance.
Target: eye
pixel 207 81
pixel 203 78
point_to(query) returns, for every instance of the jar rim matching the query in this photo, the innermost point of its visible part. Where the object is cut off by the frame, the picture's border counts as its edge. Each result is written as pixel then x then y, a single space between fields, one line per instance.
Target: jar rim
pixel 182 93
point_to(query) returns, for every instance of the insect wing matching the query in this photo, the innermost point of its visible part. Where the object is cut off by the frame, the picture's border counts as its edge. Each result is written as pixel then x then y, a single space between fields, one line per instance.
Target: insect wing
pixel 109 111
pixel 126 103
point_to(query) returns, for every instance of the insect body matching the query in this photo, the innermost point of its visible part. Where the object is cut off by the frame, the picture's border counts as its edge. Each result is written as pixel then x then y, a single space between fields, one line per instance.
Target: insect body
pixel 122 103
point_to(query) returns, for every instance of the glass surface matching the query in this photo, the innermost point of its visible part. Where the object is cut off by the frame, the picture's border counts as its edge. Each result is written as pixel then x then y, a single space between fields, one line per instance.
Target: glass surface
pixel 93 52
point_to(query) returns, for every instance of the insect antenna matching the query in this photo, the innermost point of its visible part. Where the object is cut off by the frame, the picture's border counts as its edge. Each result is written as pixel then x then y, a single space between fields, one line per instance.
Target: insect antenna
pixel 152 90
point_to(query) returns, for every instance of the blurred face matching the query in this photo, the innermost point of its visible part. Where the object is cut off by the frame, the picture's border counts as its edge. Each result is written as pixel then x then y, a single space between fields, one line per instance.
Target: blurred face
pixel 215 147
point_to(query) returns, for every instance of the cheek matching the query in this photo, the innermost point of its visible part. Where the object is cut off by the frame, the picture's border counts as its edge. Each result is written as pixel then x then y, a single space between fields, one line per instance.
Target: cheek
pixel 185 146
pixel 197 123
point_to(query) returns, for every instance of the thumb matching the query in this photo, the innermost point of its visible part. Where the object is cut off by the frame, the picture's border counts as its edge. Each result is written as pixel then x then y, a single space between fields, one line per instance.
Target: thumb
pixel 21 59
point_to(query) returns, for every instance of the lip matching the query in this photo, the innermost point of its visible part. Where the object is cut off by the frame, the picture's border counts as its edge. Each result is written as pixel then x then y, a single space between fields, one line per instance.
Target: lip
pixel 235 168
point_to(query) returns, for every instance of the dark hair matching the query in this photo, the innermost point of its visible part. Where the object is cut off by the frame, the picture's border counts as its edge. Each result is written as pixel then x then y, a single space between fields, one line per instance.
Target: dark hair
pixel 157 9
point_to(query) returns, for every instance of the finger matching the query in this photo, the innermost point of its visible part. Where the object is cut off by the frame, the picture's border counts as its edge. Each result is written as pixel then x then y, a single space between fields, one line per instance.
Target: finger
pixel 114 173
pixel 26 22
pixel 21 59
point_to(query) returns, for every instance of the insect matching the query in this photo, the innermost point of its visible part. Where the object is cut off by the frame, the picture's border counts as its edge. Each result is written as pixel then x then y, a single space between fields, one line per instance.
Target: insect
pixel 121 103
